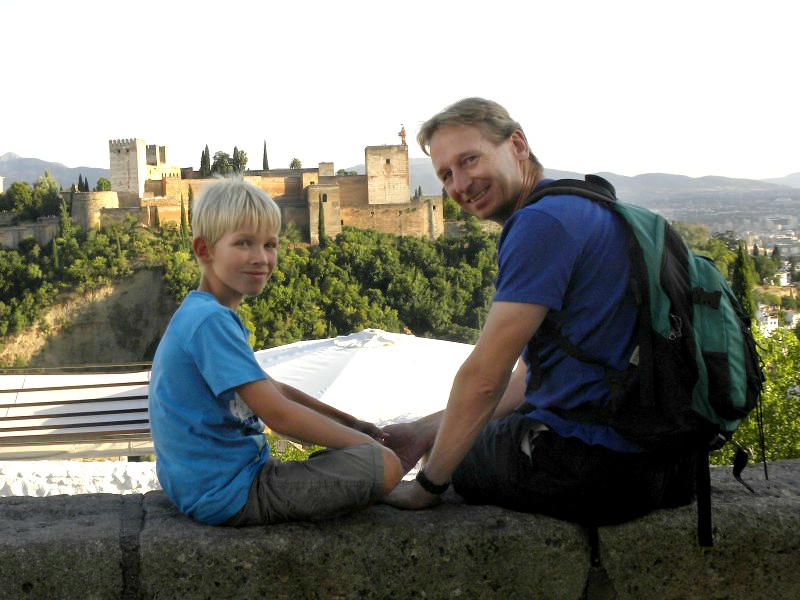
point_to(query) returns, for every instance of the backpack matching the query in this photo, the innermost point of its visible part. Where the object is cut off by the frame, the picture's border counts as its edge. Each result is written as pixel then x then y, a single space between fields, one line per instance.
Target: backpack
pixel 695 372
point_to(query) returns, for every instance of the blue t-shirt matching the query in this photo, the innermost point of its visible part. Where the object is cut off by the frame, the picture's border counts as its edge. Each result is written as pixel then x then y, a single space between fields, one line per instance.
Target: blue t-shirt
pixel 209 444
pixel 569 254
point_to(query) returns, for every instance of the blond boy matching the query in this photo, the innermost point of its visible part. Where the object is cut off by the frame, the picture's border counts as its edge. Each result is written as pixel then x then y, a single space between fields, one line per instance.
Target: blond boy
pixel 209 398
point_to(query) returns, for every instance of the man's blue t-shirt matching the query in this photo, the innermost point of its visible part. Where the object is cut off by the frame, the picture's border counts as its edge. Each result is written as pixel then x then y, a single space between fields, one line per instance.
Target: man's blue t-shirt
pixel 209 444
pixel 569 254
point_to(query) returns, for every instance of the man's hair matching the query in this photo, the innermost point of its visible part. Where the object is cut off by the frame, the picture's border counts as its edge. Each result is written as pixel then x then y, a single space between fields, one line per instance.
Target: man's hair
pixel 230 204
pixel 494 121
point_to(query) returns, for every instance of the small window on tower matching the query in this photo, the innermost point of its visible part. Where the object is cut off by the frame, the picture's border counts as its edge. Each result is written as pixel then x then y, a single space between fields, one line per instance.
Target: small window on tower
pixel 388 161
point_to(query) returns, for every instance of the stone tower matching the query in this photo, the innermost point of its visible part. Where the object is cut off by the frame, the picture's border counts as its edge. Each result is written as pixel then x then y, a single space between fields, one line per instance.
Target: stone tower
pixel 128 168
pixel 387 174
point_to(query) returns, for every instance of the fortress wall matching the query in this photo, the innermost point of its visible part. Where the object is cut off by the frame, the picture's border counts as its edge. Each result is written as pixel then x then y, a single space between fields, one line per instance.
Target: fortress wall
pixel 169 210
pixel 353 190
pixel 415 219
pixel 43 231
pixel 387 174
pixel 86 206
pixel 328 195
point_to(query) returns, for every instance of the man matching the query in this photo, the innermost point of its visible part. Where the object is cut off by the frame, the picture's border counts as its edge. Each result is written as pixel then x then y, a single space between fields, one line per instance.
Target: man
pixel 563 259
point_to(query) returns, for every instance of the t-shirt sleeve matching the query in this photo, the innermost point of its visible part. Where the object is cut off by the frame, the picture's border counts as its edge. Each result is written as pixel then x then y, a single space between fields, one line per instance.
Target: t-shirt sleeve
pixel 222 354
pixel 536 258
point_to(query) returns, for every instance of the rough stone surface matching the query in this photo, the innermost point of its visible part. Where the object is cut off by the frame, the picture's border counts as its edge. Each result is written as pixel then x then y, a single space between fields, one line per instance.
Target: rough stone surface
pixel 132 547
pixel 60 547
pixel 756 552
pixel 452 551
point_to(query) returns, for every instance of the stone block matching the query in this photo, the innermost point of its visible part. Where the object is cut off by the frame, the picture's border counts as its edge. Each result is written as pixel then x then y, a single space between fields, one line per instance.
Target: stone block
pixel 61 547
pixel 451 551
pixel 756 551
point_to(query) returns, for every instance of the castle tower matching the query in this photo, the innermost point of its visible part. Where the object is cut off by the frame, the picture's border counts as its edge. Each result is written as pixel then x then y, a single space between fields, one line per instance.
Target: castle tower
pixel 128 160
pixel 387 174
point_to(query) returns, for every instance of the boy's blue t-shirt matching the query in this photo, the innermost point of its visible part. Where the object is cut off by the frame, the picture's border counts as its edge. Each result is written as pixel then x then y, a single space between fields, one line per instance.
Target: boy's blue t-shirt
pixel 569 254
pixel 209 444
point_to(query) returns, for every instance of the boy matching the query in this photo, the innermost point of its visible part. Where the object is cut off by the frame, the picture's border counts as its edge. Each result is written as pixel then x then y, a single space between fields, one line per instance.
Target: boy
pixel 207 392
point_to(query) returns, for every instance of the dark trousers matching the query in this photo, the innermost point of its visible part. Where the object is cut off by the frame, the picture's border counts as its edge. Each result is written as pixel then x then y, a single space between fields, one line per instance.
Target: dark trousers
pixel 567 478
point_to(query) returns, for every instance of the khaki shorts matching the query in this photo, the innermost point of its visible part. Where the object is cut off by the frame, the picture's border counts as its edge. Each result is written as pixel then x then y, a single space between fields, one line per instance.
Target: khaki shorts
pixel 328 484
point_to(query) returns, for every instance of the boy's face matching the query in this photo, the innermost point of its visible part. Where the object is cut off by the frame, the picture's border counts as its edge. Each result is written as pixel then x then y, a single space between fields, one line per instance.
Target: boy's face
pixel 238 265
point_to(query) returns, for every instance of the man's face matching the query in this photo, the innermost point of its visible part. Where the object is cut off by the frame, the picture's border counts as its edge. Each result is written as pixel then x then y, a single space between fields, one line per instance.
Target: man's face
pixel 484 178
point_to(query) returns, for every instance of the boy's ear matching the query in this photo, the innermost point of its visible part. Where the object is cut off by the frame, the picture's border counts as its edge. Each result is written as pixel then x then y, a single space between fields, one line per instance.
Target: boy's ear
pixel 201 250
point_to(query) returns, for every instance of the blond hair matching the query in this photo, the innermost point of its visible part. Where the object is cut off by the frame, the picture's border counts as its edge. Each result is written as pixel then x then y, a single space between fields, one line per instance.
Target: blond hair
pixel 495 123
pixel 232 203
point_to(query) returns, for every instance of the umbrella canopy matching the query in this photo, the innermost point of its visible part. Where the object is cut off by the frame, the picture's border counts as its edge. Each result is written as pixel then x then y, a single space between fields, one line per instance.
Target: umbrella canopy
pixel 374 375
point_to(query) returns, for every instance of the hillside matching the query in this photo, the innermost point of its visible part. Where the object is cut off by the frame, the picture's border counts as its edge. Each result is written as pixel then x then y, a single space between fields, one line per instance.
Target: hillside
pixel 123 321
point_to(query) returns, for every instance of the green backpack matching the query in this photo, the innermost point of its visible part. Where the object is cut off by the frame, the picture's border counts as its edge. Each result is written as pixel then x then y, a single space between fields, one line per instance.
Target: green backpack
pixel 696 372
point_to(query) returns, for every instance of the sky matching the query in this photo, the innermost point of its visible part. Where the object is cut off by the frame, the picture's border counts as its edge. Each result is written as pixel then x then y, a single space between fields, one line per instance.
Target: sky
pixel 690 87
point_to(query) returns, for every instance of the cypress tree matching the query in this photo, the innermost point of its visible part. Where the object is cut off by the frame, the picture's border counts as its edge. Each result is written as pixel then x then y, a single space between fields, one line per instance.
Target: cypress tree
pixel 264 160
pixel 156 219
pixel 755 250
pixel 191 201
pixel 56 264
pixel 323 240
pixel 742 283
pixel 80 182
pixel 184 226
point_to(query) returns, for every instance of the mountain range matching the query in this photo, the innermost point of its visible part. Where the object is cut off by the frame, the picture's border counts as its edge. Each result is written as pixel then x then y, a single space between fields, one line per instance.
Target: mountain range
pixel 677 196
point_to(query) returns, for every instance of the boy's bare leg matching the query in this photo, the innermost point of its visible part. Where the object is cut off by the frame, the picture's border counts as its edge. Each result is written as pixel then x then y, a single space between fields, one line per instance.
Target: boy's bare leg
pixel 411 441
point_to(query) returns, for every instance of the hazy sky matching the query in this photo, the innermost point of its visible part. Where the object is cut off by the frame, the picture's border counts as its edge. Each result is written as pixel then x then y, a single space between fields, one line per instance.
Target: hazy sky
pixel 694 87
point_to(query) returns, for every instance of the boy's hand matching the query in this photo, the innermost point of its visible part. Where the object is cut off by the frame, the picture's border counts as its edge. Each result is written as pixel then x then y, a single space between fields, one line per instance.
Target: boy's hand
pixel 370 429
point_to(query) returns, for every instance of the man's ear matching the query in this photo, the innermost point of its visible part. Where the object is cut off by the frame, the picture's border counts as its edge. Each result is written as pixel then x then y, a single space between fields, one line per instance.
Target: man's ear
pixel 520 144
pixel 201 250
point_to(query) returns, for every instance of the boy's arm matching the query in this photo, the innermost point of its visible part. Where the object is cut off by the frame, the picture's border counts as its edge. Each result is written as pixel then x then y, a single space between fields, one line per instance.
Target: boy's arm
pixel 299 396
pixel 293 419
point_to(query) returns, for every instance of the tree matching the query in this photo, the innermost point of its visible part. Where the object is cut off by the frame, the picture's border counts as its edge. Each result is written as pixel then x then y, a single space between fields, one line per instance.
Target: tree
pixel 222 163
pixel 156 219
pixel 184 224
pixel 323 240
pixel 205 163
pixel 46 195
pixel 66 226
pixel 295 164
pixel 264 159
pixel 343 173
pixel 103 185
pixel 18 197
pixel 694 235
pixel 191 203
pixel 776 256
pixel 742 284
pixel 238 160
pixel 755 249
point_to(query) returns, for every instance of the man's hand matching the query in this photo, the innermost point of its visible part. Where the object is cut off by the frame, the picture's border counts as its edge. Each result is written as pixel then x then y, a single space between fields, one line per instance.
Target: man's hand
pixel 408 442
pixel 410 495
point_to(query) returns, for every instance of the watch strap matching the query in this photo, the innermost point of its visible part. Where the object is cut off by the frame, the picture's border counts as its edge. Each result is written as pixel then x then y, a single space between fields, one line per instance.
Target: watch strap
pixel 430 487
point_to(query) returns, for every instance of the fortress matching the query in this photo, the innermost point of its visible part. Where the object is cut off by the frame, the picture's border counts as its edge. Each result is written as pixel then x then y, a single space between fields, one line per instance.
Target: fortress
pixel 144 185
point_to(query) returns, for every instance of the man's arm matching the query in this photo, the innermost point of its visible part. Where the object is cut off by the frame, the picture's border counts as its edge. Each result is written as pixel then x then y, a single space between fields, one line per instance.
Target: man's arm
pixel 293 419
pixel 480 384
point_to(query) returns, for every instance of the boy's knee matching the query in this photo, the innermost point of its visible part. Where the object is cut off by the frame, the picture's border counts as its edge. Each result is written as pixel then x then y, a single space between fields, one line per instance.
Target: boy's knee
pixel 392 470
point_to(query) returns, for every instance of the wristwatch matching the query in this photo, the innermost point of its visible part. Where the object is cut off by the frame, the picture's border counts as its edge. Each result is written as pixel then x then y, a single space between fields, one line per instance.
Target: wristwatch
pixel 430 487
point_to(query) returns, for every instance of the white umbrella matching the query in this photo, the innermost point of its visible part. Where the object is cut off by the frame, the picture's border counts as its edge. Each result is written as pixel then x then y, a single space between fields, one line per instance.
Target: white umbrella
pixel 374 375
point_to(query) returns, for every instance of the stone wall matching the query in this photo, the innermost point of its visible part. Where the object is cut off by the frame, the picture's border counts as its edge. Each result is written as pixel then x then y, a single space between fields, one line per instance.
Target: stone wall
pixel 86 206
pixel 43 230
pixel 128 165
pixel 107 546
pixel 387 174
pixel 418 218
